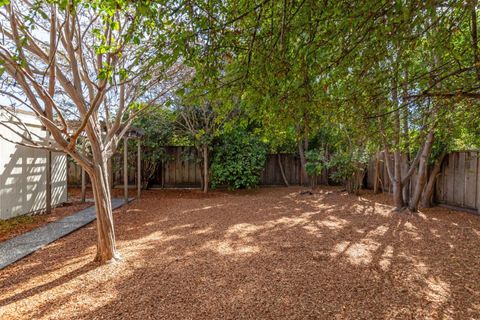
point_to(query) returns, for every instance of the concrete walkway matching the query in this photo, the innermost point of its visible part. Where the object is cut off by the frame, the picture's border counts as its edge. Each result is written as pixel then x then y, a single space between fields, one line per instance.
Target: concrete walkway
pixel 16 248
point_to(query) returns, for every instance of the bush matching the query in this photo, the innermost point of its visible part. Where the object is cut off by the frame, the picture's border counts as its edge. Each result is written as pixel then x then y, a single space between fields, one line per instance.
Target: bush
pixel 238 161
pixel 350 168
pixel 315 162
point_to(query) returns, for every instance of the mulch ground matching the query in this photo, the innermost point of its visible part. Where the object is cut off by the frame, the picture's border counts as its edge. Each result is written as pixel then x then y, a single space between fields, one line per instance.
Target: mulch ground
pixel 16 226
pixel 261 254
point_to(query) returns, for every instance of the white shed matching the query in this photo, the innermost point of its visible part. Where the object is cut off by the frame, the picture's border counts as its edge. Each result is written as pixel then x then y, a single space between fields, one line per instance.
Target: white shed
pixel 23 171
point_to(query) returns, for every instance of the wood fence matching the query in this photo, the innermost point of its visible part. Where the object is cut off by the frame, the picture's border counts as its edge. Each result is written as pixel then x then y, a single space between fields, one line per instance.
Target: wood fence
pixel 385 183
pixel 182 169
pixel 459 181
pixel 457 185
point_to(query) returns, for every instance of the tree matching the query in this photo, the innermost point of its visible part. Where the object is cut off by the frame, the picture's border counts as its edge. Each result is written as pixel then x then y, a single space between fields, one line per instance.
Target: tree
pixel 199 123
pixel 159 125
pixel 99 79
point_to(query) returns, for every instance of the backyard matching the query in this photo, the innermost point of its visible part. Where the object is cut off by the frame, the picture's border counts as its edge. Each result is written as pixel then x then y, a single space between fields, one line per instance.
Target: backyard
pixel 239 159
pixel 263 253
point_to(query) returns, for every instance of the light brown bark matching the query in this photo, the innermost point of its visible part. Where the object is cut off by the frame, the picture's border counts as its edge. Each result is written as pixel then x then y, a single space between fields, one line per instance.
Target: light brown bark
pixel 280 165
pixel 106 249
pixel 397 181
pixel 303 163
pixel 427 196
pixel 376 174
pixel 422 172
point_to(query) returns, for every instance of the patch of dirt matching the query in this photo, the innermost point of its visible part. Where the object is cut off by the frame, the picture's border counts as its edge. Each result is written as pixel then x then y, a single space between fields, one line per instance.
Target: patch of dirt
pixel 259 254
pixel 16 226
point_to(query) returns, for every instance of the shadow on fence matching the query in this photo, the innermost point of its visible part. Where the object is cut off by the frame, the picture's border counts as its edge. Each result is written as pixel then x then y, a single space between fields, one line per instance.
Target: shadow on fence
pixel 457 185
pixel 182 169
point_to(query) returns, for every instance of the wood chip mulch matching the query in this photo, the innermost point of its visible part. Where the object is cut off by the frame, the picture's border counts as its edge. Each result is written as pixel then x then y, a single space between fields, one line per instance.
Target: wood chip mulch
pixel 259 254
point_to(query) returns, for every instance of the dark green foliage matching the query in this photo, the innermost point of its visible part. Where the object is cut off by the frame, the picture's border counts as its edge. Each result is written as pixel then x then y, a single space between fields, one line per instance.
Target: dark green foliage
pixel 159 127
pixel 349 168
pixel 238 161
pixel 316 162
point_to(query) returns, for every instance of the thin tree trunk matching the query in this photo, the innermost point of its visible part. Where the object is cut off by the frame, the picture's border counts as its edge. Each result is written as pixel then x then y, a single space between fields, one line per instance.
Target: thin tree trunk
pixel 427 195
pixel 83 194
pixel 406 186
pixel 125 169
pixel 422 172
pixel 325 170
pixel 303 162
pixel 284 177
pixel 376 174
pixel 397 182
pixel 406 139
pixel 205 168
pixel 49 107
pixel 201 175
pixel 474 34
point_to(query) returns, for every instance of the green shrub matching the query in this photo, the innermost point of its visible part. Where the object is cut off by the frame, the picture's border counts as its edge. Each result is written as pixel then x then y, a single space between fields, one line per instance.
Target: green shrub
pixel 238 161
pixel 315 162
pixel 349 168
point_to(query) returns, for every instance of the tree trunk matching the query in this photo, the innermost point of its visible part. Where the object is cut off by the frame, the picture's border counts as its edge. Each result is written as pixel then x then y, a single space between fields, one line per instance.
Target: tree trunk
pixel 422 172
pixel 406 138
pixel 427 195
pixel 205 168
pixel 397 181
pixel 84 178
pixel 49 106
pixel 110 173
pixel 358 177
pixel 106 249
pixel 201 176
pixel 406 186
pixel 325 172
pixel 303 163
pixel 376 174
pixel 284 177
pixel 397 156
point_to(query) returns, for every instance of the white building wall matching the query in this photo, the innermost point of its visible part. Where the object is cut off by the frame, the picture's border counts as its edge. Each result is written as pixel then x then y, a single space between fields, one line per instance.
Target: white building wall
pixel 22 171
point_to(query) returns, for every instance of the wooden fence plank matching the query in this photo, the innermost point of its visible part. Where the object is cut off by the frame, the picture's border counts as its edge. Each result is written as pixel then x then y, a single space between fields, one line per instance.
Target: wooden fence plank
pixel 470 181
pixel 459 178
pixel 458 183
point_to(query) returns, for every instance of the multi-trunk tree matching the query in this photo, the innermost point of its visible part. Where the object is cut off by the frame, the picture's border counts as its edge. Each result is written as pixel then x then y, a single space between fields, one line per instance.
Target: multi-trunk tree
pixel 80 66
pixel 394 66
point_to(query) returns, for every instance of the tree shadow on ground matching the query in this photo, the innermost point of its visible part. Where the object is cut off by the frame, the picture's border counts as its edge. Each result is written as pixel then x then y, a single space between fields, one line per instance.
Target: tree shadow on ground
pixel 267 253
